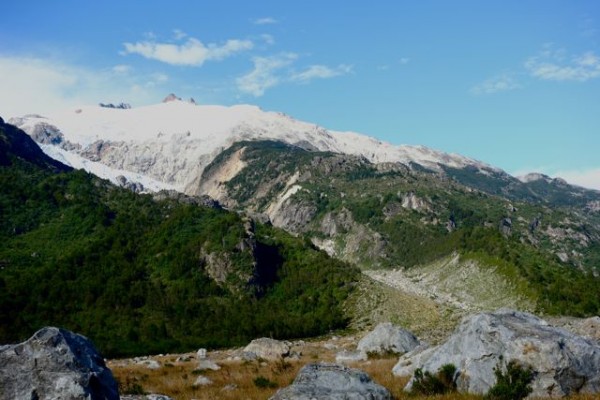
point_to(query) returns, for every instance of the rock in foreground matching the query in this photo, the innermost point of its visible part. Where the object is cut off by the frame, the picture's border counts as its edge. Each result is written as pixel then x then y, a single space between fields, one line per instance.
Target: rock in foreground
pixel 332 382
pixel 55 364
pixel 563 362
pixel 388 338
pixel 268 349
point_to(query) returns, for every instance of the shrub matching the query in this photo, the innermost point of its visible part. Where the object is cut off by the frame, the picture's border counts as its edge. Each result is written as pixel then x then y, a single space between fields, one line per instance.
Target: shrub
pixel 131 387
pixel 263 383
pixel 442 382
pixel 514 384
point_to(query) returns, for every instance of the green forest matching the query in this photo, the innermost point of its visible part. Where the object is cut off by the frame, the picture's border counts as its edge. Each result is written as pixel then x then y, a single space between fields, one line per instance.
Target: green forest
pixel 335 184
pixel 130 272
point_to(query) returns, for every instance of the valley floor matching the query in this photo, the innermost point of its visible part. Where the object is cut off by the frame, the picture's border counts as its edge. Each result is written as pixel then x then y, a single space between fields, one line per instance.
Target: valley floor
pixel 241 380
pixel 381 296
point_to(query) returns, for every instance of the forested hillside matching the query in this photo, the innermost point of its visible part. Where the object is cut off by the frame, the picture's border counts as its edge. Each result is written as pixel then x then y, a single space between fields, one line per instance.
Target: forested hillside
pixel 392 215
pixel 139 275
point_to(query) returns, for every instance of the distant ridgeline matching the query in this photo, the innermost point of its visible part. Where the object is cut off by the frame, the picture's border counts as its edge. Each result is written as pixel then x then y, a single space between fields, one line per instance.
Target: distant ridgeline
pixel 120 106
pixel 141 275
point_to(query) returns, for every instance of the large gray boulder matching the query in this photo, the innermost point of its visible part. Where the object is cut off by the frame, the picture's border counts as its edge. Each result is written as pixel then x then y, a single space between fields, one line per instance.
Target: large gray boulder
pixel 55 364
pixel 332 382
pixel 388 338
pixel 268 349
pixel 563 362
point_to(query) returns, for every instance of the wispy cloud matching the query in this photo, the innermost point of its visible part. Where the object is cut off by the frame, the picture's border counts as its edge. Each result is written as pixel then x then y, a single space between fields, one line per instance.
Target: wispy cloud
pixel 271 71
pixel 178 34
pixel 264 21
pixel 268 39
pixel 404 60
pixel 265 74
pixel 35 85
pixel 320 72
pixel 499 83
pixel 554 64
pixel 190 53
pixel 122 69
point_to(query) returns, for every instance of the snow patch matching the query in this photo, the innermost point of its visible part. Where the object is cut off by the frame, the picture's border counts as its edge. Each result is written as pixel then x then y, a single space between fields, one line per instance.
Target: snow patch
pixel 76 161
pixel 173 142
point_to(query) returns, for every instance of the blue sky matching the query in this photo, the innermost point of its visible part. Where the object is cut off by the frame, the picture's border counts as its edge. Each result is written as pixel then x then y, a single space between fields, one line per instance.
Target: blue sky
pixel 512 83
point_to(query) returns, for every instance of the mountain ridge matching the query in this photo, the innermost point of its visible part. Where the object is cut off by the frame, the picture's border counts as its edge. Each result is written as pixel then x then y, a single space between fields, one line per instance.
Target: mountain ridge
pixel 172 142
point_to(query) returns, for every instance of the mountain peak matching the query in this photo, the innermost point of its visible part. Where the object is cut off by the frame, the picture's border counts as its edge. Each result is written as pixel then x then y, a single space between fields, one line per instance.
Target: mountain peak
pixel 534 176
pixel 171 97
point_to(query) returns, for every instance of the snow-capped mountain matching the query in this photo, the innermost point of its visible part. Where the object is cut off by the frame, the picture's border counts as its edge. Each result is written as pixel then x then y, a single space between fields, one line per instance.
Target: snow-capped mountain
pixel 168 145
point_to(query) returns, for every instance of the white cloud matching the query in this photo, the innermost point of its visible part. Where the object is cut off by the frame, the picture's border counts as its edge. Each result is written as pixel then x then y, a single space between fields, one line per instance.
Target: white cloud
pixel 271 71
pixel 404 60
pixel 122 69
pixel 265 74
pixel 320 72
pixel 554 65
pixel 499 83
pixel 265 21
pixel 157 79
pixel 191 53
pixel 268 39
pixel 178 34
pixel 33 85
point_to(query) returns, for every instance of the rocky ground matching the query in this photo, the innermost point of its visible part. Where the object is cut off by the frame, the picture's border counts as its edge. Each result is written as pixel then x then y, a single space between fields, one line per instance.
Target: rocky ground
pixel 432 312
pixel 240 376
pixel 374 359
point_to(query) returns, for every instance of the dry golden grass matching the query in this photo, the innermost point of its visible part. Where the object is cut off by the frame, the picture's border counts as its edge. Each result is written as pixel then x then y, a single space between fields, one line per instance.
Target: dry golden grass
pixel 176 379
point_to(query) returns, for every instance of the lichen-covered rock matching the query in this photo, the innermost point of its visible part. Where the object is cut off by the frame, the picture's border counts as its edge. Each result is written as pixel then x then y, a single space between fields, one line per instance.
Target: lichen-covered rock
pixel 202 381
pixel 268 349
pixel 345 356
pixel 412 360
pixel 55 364
pixel 332 382
pixel 563 363
pixel 205 364
pixel 388 338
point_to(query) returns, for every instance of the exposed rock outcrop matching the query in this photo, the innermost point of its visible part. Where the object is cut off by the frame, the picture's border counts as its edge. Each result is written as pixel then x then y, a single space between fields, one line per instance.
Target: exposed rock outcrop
pixel 268 349
pixel 345 356
pixel 332 382
pixel 171 97
pixel 563 362
pixel 505 226
pixel 135 187
pixel 55 364
pixel 388 338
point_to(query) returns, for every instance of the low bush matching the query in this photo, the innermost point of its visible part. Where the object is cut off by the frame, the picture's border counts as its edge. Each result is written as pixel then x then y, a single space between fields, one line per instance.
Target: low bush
pixel 514 384
pixel 426 383
pixel 264 383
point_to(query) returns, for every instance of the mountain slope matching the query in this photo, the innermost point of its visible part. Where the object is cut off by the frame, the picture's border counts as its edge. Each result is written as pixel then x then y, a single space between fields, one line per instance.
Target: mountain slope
pixel 172 142
pixel 140 275
pixel 388 215
pixel 360 200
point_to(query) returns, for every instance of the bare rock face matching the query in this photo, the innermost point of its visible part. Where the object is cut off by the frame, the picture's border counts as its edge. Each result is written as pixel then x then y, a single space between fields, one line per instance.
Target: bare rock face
pixel 346 356
pixel 171 97
pixel 563 363
pixel 388 338
pixel 268 349
pixel 55 364
pixel 332 382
